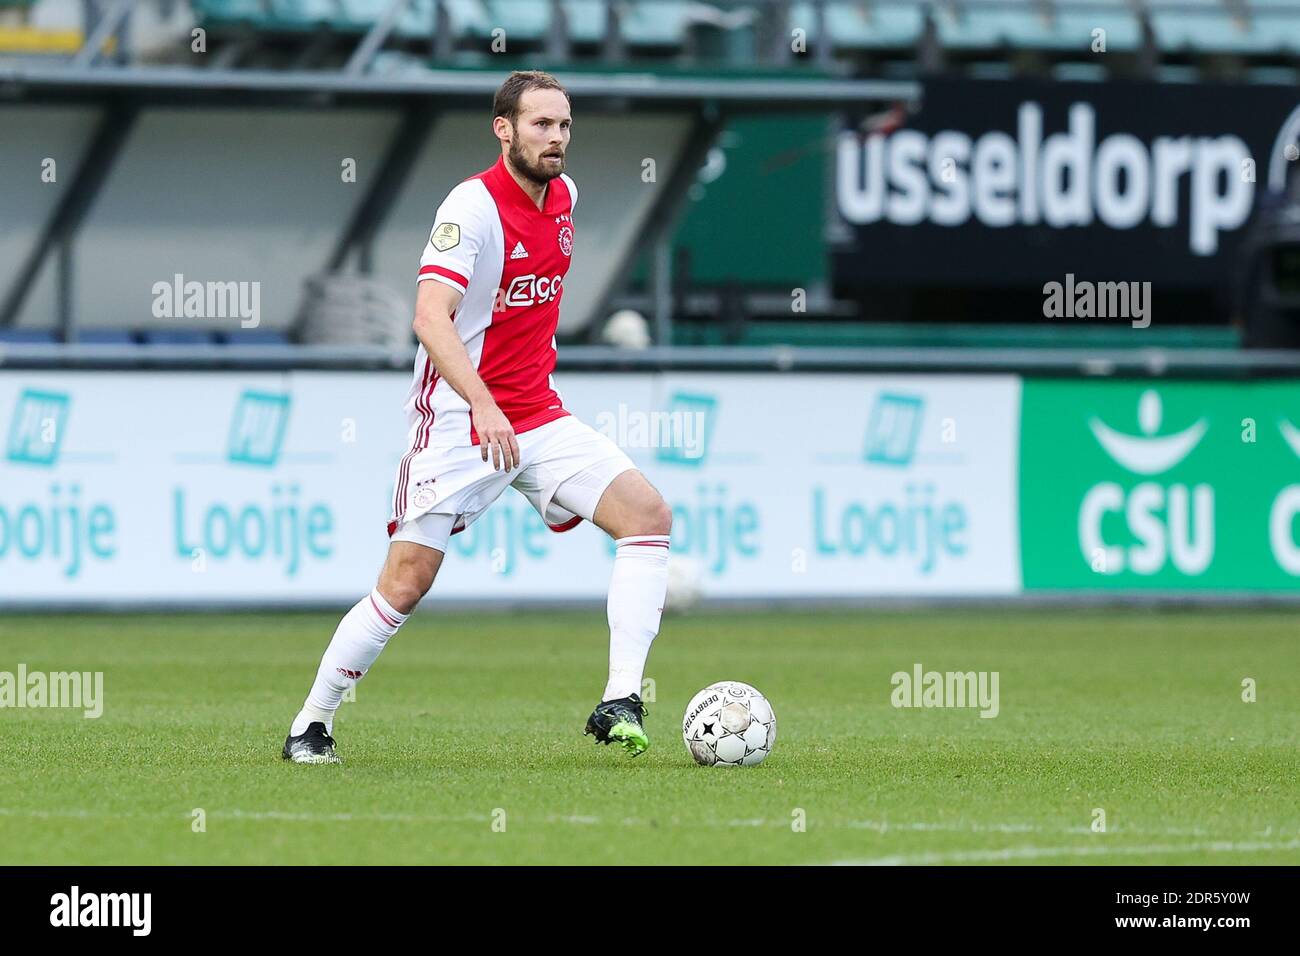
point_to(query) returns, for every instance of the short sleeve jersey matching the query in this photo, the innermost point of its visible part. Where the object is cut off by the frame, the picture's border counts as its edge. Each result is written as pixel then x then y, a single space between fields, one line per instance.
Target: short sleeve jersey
pixel 508 259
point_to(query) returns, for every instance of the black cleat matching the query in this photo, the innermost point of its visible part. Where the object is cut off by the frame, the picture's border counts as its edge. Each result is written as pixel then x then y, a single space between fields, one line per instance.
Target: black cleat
pixel 619 721
pixel 313 745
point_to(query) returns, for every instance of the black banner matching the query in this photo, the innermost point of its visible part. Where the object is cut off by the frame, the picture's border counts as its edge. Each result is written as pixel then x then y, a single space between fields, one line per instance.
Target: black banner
pixel 114 906
pixel 993 183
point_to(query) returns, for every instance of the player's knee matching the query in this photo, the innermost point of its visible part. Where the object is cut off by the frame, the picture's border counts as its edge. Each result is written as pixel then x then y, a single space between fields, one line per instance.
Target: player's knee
pixel 406 582
pixel 404 594
pixel 660 517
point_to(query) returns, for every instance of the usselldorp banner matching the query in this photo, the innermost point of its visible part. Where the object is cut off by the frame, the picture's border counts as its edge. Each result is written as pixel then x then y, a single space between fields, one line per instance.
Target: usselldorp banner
pixel 1015 182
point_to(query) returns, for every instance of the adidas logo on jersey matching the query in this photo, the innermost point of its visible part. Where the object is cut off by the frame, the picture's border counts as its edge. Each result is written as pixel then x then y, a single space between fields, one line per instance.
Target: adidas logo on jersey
pixel 520 252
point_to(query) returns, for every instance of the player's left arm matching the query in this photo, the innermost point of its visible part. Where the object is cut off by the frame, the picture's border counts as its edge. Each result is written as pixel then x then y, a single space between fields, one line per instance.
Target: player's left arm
pixel 435 303
pixel 463 224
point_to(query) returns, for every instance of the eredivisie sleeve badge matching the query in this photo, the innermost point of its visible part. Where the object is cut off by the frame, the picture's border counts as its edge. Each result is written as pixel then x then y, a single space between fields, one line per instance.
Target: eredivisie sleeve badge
pixel 445 236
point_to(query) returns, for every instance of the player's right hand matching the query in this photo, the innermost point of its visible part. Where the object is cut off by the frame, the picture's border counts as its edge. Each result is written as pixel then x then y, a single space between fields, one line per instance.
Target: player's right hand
pixel 495 433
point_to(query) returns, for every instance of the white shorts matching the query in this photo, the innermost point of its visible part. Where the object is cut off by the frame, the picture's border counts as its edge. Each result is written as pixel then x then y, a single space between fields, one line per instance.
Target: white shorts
pixel 564 467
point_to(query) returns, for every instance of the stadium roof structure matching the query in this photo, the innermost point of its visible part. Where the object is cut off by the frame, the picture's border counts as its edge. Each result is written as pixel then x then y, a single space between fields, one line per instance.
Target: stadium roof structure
pixel 451 87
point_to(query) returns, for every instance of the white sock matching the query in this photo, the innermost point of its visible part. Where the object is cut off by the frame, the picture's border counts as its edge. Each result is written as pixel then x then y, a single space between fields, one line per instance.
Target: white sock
pixel 636 602
pixel 360 636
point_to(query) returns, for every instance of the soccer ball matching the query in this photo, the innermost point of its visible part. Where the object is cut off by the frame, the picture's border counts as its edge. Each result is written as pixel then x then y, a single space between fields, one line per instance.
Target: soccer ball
pixel 729 724
pixel 684 576
pixel 626 329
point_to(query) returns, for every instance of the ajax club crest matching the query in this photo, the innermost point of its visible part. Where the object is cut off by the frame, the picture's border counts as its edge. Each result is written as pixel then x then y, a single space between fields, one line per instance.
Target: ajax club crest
pixel 566 239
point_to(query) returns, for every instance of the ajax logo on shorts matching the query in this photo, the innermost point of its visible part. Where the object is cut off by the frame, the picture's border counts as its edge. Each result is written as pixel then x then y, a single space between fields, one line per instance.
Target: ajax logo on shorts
pixel 425 494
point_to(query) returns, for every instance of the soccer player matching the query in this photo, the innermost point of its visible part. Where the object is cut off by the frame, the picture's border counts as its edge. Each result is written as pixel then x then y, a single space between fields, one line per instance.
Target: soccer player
pixel 484 413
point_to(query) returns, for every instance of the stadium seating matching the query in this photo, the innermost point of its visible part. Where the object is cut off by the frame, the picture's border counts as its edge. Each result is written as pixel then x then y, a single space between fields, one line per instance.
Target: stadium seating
pixel 520 21
pixel 855 26
pixel 1209 25
pixel 985 24
pixel 24 35
pixel 219 14
pixel 587 20
pixel 662 27
pixel 305 14
pixel 417 20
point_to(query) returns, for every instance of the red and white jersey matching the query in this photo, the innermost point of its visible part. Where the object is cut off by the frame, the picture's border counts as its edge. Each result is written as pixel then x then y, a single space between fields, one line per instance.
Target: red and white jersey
pixel 508 259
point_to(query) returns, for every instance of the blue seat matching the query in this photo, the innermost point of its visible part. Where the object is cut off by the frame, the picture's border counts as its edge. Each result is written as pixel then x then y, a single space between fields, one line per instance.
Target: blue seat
pixel 469 18
pixel 1176 73
pixel 253 337
pixel 1063 26
pixel 587 20
pixel 105 337
pixel 975 25
pixel 655 22
pixel 359 15
pixel 302 14
pixel 860 27
pixel 521 19
pixel 28 336
pixel 1074 23
pixel 1080 72
pixel 1273 75
pixel 1201 31
pixel 991 70
pixel 232 13
pixel 1277 31
pixel 176 337
pixel 416 21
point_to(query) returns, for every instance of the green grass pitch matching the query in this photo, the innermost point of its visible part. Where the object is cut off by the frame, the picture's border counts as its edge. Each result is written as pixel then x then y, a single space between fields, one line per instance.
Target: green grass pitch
pixel 471 721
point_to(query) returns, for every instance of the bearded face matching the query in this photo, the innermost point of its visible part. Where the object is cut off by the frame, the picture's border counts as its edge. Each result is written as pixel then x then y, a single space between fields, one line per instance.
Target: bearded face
pixel 542 166
pixel 540 135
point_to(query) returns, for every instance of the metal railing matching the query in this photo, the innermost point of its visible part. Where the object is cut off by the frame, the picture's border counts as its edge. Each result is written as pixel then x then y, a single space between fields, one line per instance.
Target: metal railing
pixel 1091 362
